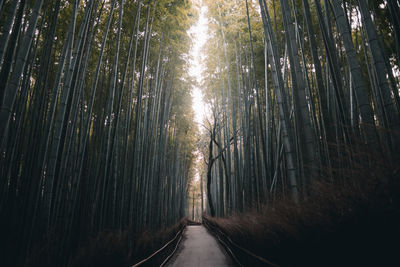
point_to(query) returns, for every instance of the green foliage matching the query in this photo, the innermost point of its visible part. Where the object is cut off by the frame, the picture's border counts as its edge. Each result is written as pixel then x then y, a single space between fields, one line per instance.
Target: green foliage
pixel 118 165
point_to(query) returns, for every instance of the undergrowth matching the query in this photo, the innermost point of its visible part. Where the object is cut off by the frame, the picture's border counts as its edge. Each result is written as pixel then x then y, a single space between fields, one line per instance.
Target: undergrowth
pixel 116 249
pixel 351 221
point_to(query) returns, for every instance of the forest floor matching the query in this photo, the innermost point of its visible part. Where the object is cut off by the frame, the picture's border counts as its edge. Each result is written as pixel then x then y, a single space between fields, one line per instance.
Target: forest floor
pixel 354 222
pixel 200 248
pixel 112 248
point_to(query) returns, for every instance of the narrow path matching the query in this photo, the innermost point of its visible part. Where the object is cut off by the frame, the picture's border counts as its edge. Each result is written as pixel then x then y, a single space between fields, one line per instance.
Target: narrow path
pixel 200 248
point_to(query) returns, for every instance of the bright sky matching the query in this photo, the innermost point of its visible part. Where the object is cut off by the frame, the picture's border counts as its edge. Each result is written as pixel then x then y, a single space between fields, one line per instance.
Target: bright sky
pixel 198 33
pixel 199 36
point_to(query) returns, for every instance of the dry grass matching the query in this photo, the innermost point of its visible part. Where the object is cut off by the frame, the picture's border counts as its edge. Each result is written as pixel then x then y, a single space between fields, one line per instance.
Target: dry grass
pixel 107 249
pixel 123 249
pixel 352 222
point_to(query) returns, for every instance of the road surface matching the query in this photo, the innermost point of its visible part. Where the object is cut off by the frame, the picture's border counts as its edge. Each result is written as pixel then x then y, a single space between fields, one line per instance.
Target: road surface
pixel 199 248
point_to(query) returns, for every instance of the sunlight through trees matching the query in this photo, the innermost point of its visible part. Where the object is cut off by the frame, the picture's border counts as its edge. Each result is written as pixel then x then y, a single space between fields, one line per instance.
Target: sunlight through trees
pixel 122 117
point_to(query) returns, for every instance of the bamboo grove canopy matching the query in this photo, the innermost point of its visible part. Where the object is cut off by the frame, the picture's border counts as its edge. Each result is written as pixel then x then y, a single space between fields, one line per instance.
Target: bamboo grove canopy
pixel 96 120
pixel 296 89
pixel 97 129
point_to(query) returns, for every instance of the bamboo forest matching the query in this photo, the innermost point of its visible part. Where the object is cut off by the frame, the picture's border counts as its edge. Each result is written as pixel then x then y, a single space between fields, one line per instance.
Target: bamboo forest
pixel 132 129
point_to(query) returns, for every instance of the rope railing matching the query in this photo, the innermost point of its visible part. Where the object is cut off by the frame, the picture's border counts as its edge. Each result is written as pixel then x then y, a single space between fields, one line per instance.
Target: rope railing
pixel 178 234
pixel 219 233
pixel 173 252
pixel 233 256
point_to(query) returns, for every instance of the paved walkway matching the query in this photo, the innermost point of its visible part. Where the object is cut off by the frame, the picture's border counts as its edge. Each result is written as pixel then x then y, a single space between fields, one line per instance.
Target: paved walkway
pixel 199 248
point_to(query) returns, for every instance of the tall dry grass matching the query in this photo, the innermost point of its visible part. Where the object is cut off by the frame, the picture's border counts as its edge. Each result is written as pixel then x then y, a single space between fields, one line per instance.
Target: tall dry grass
pixel 352 220
pixel 110 248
